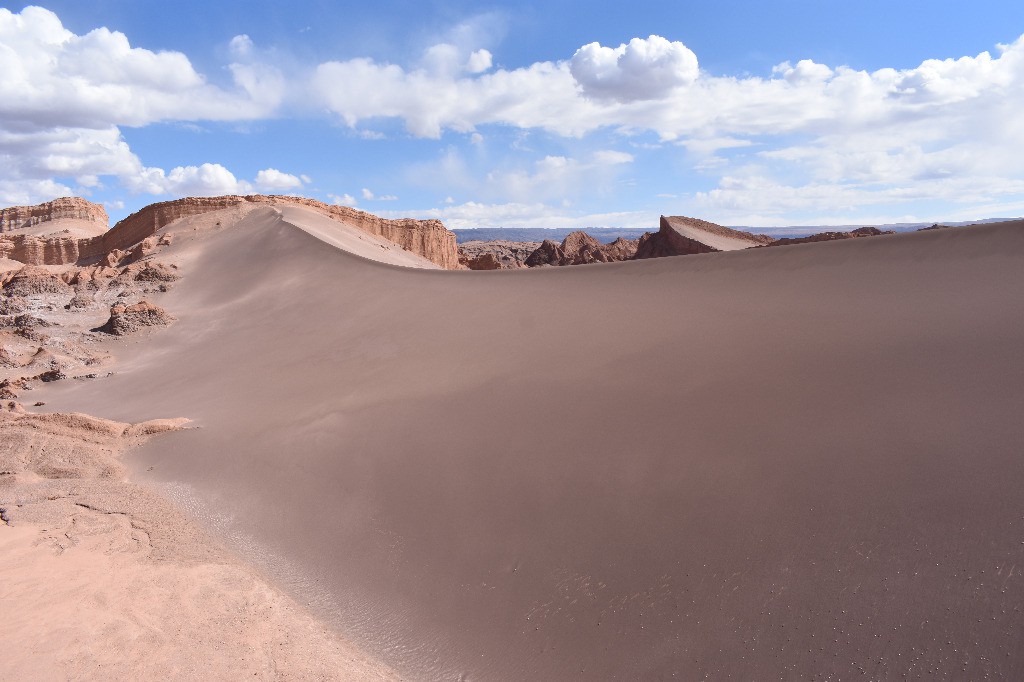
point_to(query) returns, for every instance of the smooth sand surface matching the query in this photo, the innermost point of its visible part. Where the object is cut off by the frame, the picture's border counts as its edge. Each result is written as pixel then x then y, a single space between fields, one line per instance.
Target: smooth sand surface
pixel 777 463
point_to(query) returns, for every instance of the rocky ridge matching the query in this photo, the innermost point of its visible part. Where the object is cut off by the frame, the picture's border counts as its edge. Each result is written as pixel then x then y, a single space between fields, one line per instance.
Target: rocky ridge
pixel 833 236
pixel 427 238
pixel 677 236
pixel 579 248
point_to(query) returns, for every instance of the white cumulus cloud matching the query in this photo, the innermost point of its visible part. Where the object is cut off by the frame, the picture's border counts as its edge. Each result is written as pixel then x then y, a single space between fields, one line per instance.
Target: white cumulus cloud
pixel 645 68
pixel 342 199
pixel 53 77
pixel 208 179
pixel 271 179
pixel 479 61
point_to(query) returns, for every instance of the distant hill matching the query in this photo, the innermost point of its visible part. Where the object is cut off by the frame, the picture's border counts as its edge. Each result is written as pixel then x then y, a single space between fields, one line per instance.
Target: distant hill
pixel 807 230
pixel 538 234
pixel 609 234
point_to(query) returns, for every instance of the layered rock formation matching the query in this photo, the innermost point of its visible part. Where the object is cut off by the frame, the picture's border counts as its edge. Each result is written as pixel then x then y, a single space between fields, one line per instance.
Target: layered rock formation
pixel 832 236
pixel 579 248
pixel 427 238
pixel 20 217
pixel 680 236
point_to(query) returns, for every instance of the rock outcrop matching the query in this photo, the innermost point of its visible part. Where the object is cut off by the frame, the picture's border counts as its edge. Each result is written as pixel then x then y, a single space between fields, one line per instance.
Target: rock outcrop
pixel 680 236
pixel 579 248
pixel 20 217
pixel 32 280
pixel 831 236
pixel 125 319
pixel 427 238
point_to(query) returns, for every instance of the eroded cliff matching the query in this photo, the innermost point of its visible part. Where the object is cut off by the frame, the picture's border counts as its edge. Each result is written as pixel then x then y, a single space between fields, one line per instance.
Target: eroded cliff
pixel 20 217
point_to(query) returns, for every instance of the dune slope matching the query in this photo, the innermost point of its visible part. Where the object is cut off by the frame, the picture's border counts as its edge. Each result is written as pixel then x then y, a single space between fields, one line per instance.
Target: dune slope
pixel 765 463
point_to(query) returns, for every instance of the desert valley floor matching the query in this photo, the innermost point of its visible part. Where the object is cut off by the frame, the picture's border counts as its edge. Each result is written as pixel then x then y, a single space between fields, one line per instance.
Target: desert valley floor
pixel 773 463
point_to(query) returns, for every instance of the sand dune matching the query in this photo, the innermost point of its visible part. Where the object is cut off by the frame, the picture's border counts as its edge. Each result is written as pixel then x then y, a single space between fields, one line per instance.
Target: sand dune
pixel 766 463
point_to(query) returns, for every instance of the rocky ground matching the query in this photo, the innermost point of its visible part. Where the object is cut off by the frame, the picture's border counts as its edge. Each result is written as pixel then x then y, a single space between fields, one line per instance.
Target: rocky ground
pixel 496 255
pixel 54 318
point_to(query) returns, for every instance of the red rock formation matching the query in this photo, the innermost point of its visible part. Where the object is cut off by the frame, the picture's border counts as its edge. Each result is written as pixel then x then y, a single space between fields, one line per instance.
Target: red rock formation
pixel 18 217
pixel 579 248
pixel 427 238
pixel 831 236
pixel 485 261
pixel 679 236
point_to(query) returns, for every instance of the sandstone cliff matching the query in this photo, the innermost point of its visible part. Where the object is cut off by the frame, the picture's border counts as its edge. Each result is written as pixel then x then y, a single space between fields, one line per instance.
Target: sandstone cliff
pixel 20 217
pixel 679 235
pixel 427 238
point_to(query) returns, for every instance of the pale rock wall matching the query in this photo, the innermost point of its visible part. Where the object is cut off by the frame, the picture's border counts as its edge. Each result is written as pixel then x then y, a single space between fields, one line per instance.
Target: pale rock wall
pixel 19 217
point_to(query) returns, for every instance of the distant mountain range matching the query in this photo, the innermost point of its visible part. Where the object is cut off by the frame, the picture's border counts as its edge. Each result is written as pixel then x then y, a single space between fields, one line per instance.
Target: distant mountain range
pixel 539 234
pixel 610 234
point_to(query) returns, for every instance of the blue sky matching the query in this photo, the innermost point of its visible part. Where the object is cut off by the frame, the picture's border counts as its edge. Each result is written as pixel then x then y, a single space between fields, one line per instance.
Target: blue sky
pixel 553 114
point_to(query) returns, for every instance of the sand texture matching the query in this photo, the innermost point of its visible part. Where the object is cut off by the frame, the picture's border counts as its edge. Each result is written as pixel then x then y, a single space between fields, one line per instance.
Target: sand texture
pixel 104 579
pixel 768 463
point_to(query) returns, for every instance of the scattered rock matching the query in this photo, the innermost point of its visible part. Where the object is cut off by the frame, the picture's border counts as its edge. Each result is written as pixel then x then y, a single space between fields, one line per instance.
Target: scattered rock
pixel 52 375
pixel 12 305
pixel 23 322
pixel 80 301
pixel 156 272
pixel 9 387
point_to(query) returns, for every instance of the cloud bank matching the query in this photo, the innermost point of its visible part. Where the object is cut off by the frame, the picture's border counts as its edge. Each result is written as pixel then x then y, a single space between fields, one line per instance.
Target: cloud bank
pixel 805 136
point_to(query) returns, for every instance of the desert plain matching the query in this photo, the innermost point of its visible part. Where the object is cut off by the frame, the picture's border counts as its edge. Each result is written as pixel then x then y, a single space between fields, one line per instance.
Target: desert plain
pixel 320 451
